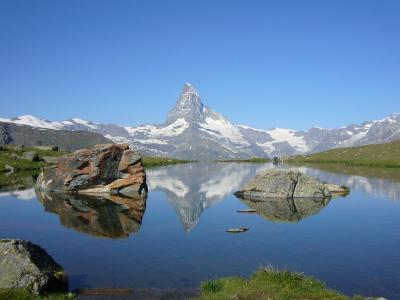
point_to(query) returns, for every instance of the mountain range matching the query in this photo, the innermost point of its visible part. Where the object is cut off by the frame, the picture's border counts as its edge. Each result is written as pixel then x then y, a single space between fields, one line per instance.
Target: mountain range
pixel 195 131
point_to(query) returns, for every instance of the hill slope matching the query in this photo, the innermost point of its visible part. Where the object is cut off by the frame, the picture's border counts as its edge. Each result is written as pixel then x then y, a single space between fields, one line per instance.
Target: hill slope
pixel 66 140
pixel 380 155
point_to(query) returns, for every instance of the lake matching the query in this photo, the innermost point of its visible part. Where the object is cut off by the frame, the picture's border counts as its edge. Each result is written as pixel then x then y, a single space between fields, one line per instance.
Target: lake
pixel 178 238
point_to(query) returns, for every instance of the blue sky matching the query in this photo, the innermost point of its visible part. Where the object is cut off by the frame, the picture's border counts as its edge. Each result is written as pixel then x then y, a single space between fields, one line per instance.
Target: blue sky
pixel 261 63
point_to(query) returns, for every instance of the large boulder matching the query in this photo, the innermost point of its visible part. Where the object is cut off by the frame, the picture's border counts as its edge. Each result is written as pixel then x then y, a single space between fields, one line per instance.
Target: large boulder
pixel 283 183
pixel 26 265
pixel 103 169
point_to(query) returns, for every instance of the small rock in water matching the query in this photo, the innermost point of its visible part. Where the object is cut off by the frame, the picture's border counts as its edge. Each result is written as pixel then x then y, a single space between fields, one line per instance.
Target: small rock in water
pixel 246 211
pixel 337 189
pixel 237 230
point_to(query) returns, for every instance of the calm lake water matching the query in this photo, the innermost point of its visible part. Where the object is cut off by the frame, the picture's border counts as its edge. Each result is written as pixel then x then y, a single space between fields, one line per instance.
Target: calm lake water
pixel 351 243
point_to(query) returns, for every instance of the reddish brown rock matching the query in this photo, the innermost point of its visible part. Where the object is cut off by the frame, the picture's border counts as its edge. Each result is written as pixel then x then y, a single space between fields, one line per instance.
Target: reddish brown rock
pixel 103 169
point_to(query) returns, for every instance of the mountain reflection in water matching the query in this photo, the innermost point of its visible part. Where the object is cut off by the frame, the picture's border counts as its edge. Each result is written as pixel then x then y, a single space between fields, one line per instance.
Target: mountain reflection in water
pixel 112 217
pixel 193 188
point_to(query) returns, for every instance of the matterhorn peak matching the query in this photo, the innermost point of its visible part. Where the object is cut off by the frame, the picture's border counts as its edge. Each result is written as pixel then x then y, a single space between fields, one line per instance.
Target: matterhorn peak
pixel 189 106
pixel 189 89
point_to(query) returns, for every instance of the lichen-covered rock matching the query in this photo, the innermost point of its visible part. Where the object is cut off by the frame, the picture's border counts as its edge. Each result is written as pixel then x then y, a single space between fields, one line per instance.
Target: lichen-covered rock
pixel 279 183
pixel 26 265
pixel 106 168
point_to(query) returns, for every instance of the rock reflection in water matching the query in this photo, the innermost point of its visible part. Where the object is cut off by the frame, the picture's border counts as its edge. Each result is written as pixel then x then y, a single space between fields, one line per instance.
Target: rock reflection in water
pixel 110 217
pixel 286 210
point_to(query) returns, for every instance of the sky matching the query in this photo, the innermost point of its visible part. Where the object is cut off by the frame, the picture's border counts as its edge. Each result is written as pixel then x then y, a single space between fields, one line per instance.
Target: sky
pixel 291 64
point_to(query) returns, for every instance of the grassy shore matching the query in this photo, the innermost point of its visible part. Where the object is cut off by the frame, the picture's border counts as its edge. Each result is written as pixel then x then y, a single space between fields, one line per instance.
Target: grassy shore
pixel 149 161
pixel 265 284
pixel 23 294
pixel 248 160
pixel 269 283
pixel 381 155
pixel 13 157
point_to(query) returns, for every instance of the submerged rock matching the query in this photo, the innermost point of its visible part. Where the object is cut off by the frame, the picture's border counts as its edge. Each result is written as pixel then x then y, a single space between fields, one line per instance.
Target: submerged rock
pixel 26 265
pixel 237 230
pixel 246 211
pixel 279 183
pixel 103 169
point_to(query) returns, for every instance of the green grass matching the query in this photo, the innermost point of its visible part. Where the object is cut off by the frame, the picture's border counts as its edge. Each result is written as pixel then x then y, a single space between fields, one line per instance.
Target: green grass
pixel 21 164
pixel 381 155
pixel 24 170
pixel 149 161
pixel 269 283
pixel 23 294
pixel 248 160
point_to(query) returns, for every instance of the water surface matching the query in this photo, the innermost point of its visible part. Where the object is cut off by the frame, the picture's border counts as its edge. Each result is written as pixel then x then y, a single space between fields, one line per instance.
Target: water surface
pixel 177 239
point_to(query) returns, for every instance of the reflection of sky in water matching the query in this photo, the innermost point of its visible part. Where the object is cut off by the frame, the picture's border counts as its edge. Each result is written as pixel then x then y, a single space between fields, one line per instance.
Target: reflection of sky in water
pixel 351 243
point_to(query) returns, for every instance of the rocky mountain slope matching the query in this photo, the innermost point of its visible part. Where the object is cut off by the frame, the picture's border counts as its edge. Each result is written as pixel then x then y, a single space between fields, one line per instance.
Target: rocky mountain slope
pixel 66 140
pixel 195 131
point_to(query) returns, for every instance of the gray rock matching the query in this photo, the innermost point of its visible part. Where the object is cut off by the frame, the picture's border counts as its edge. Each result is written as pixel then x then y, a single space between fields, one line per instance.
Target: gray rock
pixel 26 265
pixel 31 156
pixel 277 183
pixel 9 169
pixel 14 156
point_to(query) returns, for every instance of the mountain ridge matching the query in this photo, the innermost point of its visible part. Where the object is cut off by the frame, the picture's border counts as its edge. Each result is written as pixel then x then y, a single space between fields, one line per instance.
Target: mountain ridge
pixel 193 130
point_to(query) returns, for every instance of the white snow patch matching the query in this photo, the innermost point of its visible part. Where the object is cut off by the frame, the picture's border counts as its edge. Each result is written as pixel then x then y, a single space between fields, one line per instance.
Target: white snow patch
pixel 223 129
pixel 174 129
pixel 34 122
pixel 250 128
pixel 284 135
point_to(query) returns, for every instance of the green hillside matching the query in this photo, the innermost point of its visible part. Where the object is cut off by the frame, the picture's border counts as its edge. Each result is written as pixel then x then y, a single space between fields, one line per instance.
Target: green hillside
pixel 381 155
pixel 150 161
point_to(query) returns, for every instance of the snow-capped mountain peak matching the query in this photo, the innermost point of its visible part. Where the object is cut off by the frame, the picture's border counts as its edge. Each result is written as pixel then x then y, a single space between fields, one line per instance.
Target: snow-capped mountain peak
pixel 188 106
pixel 195 131
pixel 34 122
